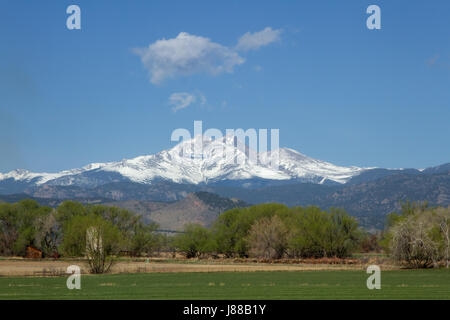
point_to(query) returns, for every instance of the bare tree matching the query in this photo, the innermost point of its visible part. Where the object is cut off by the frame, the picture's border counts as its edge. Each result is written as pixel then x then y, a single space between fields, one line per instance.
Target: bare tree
pixel 102 243
pixel 268 238
pixel 97 258
pixel 8 236
pixel 48 234
pixel 411 244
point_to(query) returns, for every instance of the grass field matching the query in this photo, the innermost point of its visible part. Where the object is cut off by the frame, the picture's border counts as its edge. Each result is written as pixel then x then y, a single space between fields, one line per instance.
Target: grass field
pixel 342 284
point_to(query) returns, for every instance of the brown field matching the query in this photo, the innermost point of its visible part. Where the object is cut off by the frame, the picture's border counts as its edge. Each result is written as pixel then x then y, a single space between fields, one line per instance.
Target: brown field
pixel 38 268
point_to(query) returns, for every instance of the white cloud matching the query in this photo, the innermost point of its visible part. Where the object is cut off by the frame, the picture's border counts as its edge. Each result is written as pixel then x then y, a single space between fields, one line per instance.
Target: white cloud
pixel 190 54
pixel 253 41
pixel 181 100
pixel 186 55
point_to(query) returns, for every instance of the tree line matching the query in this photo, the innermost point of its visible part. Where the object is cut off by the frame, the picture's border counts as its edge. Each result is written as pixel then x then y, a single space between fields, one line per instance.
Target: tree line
pixel 418 236
pixel 64 230
pixel 273 231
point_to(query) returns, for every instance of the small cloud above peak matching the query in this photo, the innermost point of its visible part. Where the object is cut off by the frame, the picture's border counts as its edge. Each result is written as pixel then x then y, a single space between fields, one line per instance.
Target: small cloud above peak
pixel 256 40
pixel 181 100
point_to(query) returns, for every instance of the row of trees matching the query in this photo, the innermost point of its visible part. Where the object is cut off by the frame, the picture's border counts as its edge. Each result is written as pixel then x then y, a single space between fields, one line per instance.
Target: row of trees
pixel 418 236
pixel 273 231
pixel 267 231
pixel 64 230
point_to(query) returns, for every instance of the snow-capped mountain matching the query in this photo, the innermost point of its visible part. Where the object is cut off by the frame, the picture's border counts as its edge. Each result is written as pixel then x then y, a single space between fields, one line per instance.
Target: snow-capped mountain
pixel 201 160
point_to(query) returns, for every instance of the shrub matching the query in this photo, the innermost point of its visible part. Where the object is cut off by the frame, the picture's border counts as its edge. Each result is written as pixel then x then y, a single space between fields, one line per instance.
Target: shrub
pixel 93 237
pixel 195 241
pixel 419 237
pixel 268 238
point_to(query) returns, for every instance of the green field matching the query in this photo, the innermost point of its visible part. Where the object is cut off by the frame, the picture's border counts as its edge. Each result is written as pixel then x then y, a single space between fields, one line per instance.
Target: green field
pixel 399 284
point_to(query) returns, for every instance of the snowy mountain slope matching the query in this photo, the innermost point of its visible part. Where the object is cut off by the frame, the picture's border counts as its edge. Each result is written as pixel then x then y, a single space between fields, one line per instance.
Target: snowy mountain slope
pixel 200 160
pixel 297 165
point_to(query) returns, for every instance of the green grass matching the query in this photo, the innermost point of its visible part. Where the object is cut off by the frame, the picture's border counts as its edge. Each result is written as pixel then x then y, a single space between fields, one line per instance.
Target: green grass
pixel 400 284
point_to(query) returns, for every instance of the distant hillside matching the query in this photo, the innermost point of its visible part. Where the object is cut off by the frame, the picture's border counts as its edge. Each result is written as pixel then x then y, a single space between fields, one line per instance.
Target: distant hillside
pixel 369 197
pixel 51 202
pixel 143 208
pixel 378 173
pixel 199 207
pixel 370 202
pixel 158 191
pixel 218 202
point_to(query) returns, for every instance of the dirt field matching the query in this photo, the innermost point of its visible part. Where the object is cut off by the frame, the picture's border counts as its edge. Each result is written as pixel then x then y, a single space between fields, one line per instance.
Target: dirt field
pixel 22 267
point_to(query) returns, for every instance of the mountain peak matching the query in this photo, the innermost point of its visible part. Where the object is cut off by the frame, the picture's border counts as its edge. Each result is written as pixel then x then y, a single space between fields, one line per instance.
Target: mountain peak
pixel 201 159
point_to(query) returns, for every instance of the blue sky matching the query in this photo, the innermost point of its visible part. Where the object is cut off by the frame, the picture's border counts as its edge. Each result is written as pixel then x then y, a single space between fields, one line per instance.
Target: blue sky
pixel 336 90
